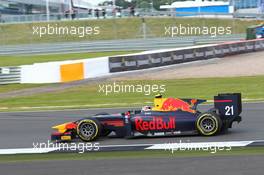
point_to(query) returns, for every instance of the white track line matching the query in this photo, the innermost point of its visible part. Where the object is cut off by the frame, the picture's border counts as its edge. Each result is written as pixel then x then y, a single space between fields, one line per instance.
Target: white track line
pixel 170 146
pixel 26 151
pixel 165 146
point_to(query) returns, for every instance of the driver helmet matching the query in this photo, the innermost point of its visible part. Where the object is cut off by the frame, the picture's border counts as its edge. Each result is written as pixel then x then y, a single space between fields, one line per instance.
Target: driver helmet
pixel 146 108
pixel 158 96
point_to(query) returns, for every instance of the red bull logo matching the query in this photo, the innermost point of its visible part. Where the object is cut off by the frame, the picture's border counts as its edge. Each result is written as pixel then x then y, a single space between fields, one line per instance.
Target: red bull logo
pixel 156 124
pixel 174 104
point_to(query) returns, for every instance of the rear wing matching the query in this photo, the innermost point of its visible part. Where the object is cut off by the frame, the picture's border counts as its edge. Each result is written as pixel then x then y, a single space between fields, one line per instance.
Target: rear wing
pixel 228 104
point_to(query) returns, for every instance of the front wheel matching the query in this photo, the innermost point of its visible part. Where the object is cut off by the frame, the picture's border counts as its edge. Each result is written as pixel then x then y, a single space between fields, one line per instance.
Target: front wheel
pixel 88 129
pixel 208 124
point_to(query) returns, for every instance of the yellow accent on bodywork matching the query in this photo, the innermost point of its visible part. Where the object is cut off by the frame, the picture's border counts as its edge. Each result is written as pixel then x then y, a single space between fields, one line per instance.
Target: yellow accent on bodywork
pixel 158 102
pixel 61 128
pixel 65 137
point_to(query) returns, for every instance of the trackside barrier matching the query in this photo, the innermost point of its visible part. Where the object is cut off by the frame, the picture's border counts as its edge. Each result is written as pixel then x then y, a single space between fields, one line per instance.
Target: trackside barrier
pixel 9 75
pixel 66 71
pixel 181 55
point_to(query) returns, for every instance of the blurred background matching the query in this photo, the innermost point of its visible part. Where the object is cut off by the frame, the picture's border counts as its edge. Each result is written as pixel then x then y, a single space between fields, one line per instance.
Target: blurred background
pixel 123 19
pixel 41 10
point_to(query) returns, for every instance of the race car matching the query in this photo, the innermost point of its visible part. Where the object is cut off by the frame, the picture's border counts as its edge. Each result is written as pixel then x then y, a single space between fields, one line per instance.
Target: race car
pixel 168 117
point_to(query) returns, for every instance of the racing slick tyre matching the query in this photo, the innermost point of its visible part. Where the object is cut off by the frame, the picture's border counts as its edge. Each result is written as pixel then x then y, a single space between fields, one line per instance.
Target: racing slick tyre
pixel 88 129
pixel 208 124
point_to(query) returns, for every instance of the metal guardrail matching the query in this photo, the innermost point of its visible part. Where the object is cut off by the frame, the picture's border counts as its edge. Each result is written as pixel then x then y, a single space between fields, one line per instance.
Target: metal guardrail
pixel 116 45
pixel 156 59
pixel 10 75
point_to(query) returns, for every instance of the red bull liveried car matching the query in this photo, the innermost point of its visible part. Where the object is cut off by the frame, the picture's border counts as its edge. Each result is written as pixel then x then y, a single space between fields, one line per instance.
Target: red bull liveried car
pixel 168 116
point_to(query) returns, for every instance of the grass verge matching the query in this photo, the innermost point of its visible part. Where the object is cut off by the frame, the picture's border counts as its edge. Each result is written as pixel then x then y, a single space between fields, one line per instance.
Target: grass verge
pixel 15 87
pixel 112 29
pixel 30 59
pixel 85 96
pixel 129 155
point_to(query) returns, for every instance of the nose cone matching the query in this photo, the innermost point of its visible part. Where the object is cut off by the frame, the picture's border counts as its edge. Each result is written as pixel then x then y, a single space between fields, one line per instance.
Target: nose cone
pixel 61 128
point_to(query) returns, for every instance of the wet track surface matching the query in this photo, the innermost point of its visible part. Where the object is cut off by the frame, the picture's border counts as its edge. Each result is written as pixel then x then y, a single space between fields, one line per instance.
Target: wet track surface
pixel 21 129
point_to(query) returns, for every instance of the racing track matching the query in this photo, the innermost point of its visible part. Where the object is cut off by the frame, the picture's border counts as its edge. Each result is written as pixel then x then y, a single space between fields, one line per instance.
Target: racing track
pixel 21 129
pixel 218 165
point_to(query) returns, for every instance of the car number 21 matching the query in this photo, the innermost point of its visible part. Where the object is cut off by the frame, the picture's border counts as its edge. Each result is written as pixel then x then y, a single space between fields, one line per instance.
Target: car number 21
pixel 229 110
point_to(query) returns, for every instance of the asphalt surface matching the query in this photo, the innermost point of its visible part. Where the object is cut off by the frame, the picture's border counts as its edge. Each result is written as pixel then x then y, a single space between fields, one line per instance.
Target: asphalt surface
pixel 22 129
pixel 219 165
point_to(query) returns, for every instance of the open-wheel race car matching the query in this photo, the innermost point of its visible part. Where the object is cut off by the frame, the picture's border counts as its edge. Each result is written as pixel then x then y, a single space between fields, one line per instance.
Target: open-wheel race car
pixel 169 116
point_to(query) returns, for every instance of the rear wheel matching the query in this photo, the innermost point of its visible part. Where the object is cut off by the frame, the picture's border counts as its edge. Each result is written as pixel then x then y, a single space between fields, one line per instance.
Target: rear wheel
pixel 88 129
pixel 208 124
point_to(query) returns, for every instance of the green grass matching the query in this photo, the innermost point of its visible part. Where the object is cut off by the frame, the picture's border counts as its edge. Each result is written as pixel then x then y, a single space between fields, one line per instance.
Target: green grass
pixel 113 29
pixel 89 96
pixel 14 87
pixel 129 155
pixel 30 59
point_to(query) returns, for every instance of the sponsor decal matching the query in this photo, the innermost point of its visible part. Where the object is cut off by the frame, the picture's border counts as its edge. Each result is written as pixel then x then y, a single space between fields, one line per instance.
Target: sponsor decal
pixel 157 123
pixel 174 104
